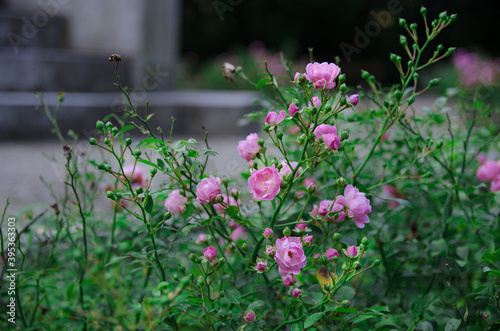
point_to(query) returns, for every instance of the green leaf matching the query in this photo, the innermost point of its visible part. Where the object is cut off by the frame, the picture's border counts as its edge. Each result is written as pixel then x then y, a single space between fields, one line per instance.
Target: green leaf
pixel 232 211
pixel 345 293
pixel 297 327
pixel 256 304
pixel 361 318
pixel 312 319
pixel 424 326
pixel 69 291
pixel 452 324
pixel 234 296
pixel 463 252
pixel 262 82
pixel 148 204
pixel 161 164
pixel 187 228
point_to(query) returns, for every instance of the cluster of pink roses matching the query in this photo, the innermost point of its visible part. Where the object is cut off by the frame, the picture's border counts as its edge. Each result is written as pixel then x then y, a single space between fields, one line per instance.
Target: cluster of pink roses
pixel 474 71
pixel 355 204
pixel 489 171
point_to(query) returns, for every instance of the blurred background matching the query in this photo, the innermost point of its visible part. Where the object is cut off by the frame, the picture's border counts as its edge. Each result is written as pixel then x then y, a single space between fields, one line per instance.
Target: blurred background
pixel 172 55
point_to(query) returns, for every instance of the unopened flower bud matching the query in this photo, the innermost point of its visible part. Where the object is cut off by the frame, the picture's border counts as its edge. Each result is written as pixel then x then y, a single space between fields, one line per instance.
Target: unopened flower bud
pixel 336 236
pixel 92 141
pixel 266 127
pixel 153 171
pixel 415 76
pixel 413 26
pixel 402 41
pixel 137 153
pixel 182 269
pixel 376 263
pixel 434 82
pixel 343 88
pixel 175 277
pixel 192 257
pixel 340 181
pixel 341 78
pixel 364 240
pixel 410 63
pixel 423 11
pixel 110 194
pixel 346 303
pixel 344 135
pixel 357 265
pixel 327 287
pixel 287 232
pixel 279 135
pixel 393 57
pixel 362 247
pixel 114 131
pixel 250 316
pixel 268 233
pixel 109 125
pixel 443 16
pixel 296 292
pixel 128 142
pixel 450 51
pixel 403 23
pixel 200 281
pixel 453 18
pixel 99 125
pixel 365 74
pixel 139 190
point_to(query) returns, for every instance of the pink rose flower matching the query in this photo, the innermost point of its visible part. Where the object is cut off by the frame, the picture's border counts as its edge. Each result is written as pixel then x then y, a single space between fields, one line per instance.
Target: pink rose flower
pixel 325 208
pixel 201 238
pixel 322 75
pixel 297 77
pixel 487 171
pixel 495 184
pixel 208 189
pixel 286 170
pixel 357 205
pixel 329 135
pixel 308 239
pixel 270 250
pixel 250 316
pixel 274 119
pixel 249 147
pixel 261 266
pixel 310 182
pixel 296 292
pixel 330 253
pixel 210 253
pixel 135 176
pixel 264 184
pixel 290 255
pixel 176 202
pixel 289 280
pixel 292 109
pixel 316 102
pixel 228 201
pixel 352 251
pixel 353 100
pixel 301 226
pixel 268 233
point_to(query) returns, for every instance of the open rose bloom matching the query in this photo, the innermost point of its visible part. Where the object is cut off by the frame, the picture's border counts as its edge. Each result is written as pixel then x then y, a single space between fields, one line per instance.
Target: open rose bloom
pixel 329 135
pixel 264 184
pixel 249 147
pixel 290 255
pixel 322 75
pixel 176 202
pixel 357 205
pixel 208 190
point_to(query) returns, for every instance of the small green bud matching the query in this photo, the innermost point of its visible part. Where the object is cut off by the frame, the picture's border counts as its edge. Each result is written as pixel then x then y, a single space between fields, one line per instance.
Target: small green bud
pixel 343 102
pixel 341 147
pixel 107 166
pixel 443 16
pixel 341 78
pixel 336 236
pixel 221 262
pixel 393 57
pixel 200 281
pixel 415 76
pixel 403 41
pixel 364 240
pixel 362 247
pixel 153 171
pixel 398 94
pixel 357 265
pixel 414 46
pixel 238 70
pixel 434 23
pixel 118 196
pixel 99 125
pixel 340 181
pixel 365 74
pixel 192 257
pixel 106 141
pixel 371 79
pixel 344 135
pixel 324 260
pixel 279 135
pixel 139 190
pixel 411 100
pixel 398 59
pixel 101 166
pixel 190 277
pixel 376 263
pixel 423 11
pixel 410 63
pixel 182 269
pixel 167 216
pixel 266 127
pixel 175 277
pixel 434 82
pixel 450 51
pixel 439 143
pixel 413 26
pixel 440 48
pixel 287 232
pixel 114 131
pixel 387 104
pixel 128 142
pixel 302 138
pixel 384 165
pixel 402 22
pixel 137 153
pixel 244 246
pixel 109 125
pixel 346 303
pixel 186 280
pixel 453 18
pixel 343 88
pixel 92 141
pixel 110 194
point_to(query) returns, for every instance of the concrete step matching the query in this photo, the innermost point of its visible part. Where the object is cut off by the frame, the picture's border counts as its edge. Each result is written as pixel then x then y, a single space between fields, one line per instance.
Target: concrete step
pixel 217 111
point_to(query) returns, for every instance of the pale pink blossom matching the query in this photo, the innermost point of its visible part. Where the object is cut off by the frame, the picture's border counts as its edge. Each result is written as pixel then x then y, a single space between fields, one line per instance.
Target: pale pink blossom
pixel 286 170
pixel 261 266
pixel 226 202
pixel 210 253
pixel 310 182
pixel 274 119
pixel 176 202
pixel 292 109
pixel 487 171
pixel 352 251
pixel 357 205
pixel 290 255
pixel 296 292
pixel 297 77
pixel 239 233
pixel 249 147
pixel 329 135
pixel 326 207
pixel 208 190
pixel 268 233
pixel 201 238
pixel 135 175
pixel 264 184
pixel 353 100
pixel 301 226
pixel 270 250
pixel 289 280
pixel 495 184
pixel 294 129
pixel 330 253
pixel 322 75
